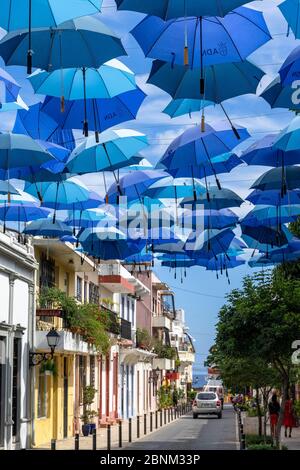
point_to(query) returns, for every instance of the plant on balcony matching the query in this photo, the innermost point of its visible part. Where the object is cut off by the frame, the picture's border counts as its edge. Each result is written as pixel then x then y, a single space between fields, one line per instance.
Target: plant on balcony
pixel 165 397
pixel 93 330
pixel 177 364
pixel 164 351
pixel 88 397
pixel 54 298
pixel 143 339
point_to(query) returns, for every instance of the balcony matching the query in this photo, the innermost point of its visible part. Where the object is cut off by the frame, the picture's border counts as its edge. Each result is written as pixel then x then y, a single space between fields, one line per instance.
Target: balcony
pixel 163 364
pixel 68 342
pixel 115 278
pixel 126 329
pixel 161 321
pixel 113 321
pixel 186 357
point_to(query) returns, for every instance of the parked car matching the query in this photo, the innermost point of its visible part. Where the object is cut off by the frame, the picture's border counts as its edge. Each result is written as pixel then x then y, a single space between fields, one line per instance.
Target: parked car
pixel 207 403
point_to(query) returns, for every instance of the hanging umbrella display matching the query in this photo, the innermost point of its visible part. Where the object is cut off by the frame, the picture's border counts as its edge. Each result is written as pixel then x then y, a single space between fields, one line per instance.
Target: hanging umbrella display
pixel 9 88
pixel 47 228
pixel 6 187
pixel 288 139
pixel 174 188
pixel 279 96
pixel 271 216
pixel 82 42
pixel 168 9
pixel 210 219
pixel 213 241
pixel 284 179
pixel 290 70
pixel 95 114
pixel 114 149
pixel 291 11
pixel 203 41
pixel 180 107
pixel 273 197
pixel 89 218
pixel 264 238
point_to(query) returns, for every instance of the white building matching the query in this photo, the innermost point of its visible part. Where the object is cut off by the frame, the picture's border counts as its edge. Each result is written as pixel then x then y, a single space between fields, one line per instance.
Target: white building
pixel 17 291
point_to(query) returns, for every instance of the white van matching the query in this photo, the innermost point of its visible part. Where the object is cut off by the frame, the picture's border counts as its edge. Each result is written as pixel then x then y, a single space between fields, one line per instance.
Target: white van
pixel 218 389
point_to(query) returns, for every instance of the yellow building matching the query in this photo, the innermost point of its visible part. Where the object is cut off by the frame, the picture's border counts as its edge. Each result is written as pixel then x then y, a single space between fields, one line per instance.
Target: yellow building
pixel 57 407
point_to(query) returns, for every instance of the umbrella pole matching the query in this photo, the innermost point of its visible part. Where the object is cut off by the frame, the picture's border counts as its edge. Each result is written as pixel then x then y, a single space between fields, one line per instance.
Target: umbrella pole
pixel 186 49
pixel 29 52
pixel 202 81
pixel 206 186
pixel 95 122
pixel 62 96
pixel 194 188
pixel 4 218
pixel 55 205
pixel 85 121
pixel 113 172
pixel 235 131
pixel 215 175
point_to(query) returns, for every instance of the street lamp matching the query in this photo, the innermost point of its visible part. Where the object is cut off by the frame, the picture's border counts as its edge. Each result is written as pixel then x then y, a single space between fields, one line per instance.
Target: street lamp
pixel 36 358
pixel 154 375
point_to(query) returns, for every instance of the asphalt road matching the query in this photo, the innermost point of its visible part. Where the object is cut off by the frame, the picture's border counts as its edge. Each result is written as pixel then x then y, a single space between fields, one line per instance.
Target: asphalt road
pixel 204 433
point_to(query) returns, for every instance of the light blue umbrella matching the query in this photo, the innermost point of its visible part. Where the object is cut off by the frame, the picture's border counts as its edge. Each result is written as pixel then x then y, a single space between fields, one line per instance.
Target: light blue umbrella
pixel 168 9
pixel 218 199
pixel 271 216
pixel 9 88
pixel 113 151
pixel 7 188
pixel 82 42
pixel 210 219
pixel 211 241
pixel 291 11
pixel 109 80
pixel 289 138
pixel 89 218
pixel 273 197
pixel 47 228
pixel 174 188
pixel 14 14
pixel 95 114
pixel 290 70
pixel 180 107
pixel 22 212
pixel 279 95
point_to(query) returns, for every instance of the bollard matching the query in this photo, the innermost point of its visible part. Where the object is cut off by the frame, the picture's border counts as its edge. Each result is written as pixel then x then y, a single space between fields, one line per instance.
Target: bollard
pixel 76 441
pixel 175 412
pixel 94 439
pixel 108 437
pixel 137 426
pixel 169 415
pixel 242 429
pixel 161 420
pixel 156 419
pixel 120 433
pixel 130 430
pixel 172 416
pixel 165 416
pixel 53 444
pixel 145 424
pixel 151 421
pixel 243 442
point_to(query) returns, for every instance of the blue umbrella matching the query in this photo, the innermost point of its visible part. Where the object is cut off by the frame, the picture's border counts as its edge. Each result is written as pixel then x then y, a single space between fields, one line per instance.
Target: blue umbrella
pixel 89 218
pixel 9 90
pixel 212 241
pixel 271 216
pixel 290 70
pixel 180 107
pixel 47 228
pixel 203 41
pixel 264 238
pixel 273 197
pixel 168 9
pixel 7 188
pixel 165 240
pixel 278 178
pixel 98 114
pixel 222 81
pixel 291 12
pixel 133 185
pixel 264 152
pixel 109 80
pixel 113 151
pixel 279 95
pixel 39 125
pixel 22 212
pixel 194 148
pixel 82 42
pixel 290 252
pixel 210 219
pixel 170 188
pixel 218 199
pixel 288 139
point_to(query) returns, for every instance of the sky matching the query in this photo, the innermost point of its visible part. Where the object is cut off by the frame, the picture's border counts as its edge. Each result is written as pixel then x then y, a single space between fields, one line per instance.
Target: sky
pixel 200 294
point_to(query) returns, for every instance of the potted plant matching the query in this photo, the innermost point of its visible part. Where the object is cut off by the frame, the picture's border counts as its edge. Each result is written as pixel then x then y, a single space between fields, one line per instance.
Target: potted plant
pixel 49 367
pixel 87 416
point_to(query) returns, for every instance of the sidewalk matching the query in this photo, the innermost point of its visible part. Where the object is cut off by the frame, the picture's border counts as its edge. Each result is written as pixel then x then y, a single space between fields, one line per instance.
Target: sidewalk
pixel 102 435
pixel 292 443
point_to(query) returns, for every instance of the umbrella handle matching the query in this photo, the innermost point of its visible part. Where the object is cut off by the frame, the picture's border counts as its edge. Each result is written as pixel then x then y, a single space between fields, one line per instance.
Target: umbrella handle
pixel 85 128
pixel 29 52
pixel 62 104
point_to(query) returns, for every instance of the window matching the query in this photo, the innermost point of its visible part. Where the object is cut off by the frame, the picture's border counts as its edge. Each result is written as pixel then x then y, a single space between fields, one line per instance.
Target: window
pixel 123 307
pixel 79 288
pixel 42 402
pixel 132 312
pixel 94 294
pixel 82 376
pixel 47 272
pixel 92 371
pixel 128 310
pixel 85 293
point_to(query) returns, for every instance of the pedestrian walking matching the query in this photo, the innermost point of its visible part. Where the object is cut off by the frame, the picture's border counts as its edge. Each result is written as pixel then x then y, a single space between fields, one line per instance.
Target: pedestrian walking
pixel 289 420
pixel 274 410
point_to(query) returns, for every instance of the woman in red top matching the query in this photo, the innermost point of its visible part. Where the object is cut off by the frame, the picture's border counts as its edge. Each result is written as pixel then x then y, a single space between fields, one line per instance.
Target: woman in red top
pixel 289 417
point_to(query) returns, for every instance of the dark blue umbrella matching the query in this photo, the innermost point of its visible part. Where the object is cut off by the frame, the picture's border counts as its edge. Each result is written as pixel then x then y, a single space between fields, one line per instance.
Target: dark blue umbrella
pixel 210 219
pixel 273 197
pixel 278 178
pixel 263 152
pixel 95 114
pixel 82 42
pixel 279 95
pixel 47 228
pixel 218 199
pixel 263 238
pixel 290 70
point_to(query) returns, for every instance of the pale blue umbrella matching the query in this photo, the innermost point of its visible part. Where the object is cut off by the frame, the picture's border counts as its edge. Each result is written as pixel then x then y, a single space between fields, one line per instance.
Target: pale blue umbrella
pixel 218 199
pixel 289 138
pixel 9 88
pixel 174 188
pixel 82 42
pixel 290 70
pixel 114 149
pixel 47 228
pixel 291 11
pixel 266 153
pixel 278 179
pixel 7 188
pixel 180 107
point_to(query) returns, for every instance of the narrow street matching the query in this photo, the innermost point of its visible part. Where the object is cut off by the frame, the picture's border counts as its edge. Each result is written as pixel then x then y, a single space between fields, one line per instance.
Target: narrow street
pixel 205 433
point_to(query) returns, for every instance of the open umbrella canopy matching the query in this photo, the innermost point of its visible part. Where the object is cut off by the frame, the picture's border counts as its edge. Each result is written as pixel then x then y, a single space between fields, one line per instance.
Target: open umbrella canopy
pixel 275 178
pixel 9 88
pixel 229 39
pixel 18 150
pixel 82 42
pixel 22 212
pixel 114 149
pixel 47 228
pixel 222 81
pixel 133 185
pixel 174 188
pixel 109 80
pixel 210 219
pixel 264 238
pixel 212 241
pixel 289 138
pixel 291 11
pixel 101 114
pixel 279 95
pixel 6 187
pixel 271 216
pixel 89 218
pixel 218 199
pixel 273 197
pixel 180 107
pixel 290 70
pixel 14 14
pixel 263 152
pixel 39 125
pixel 168 9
